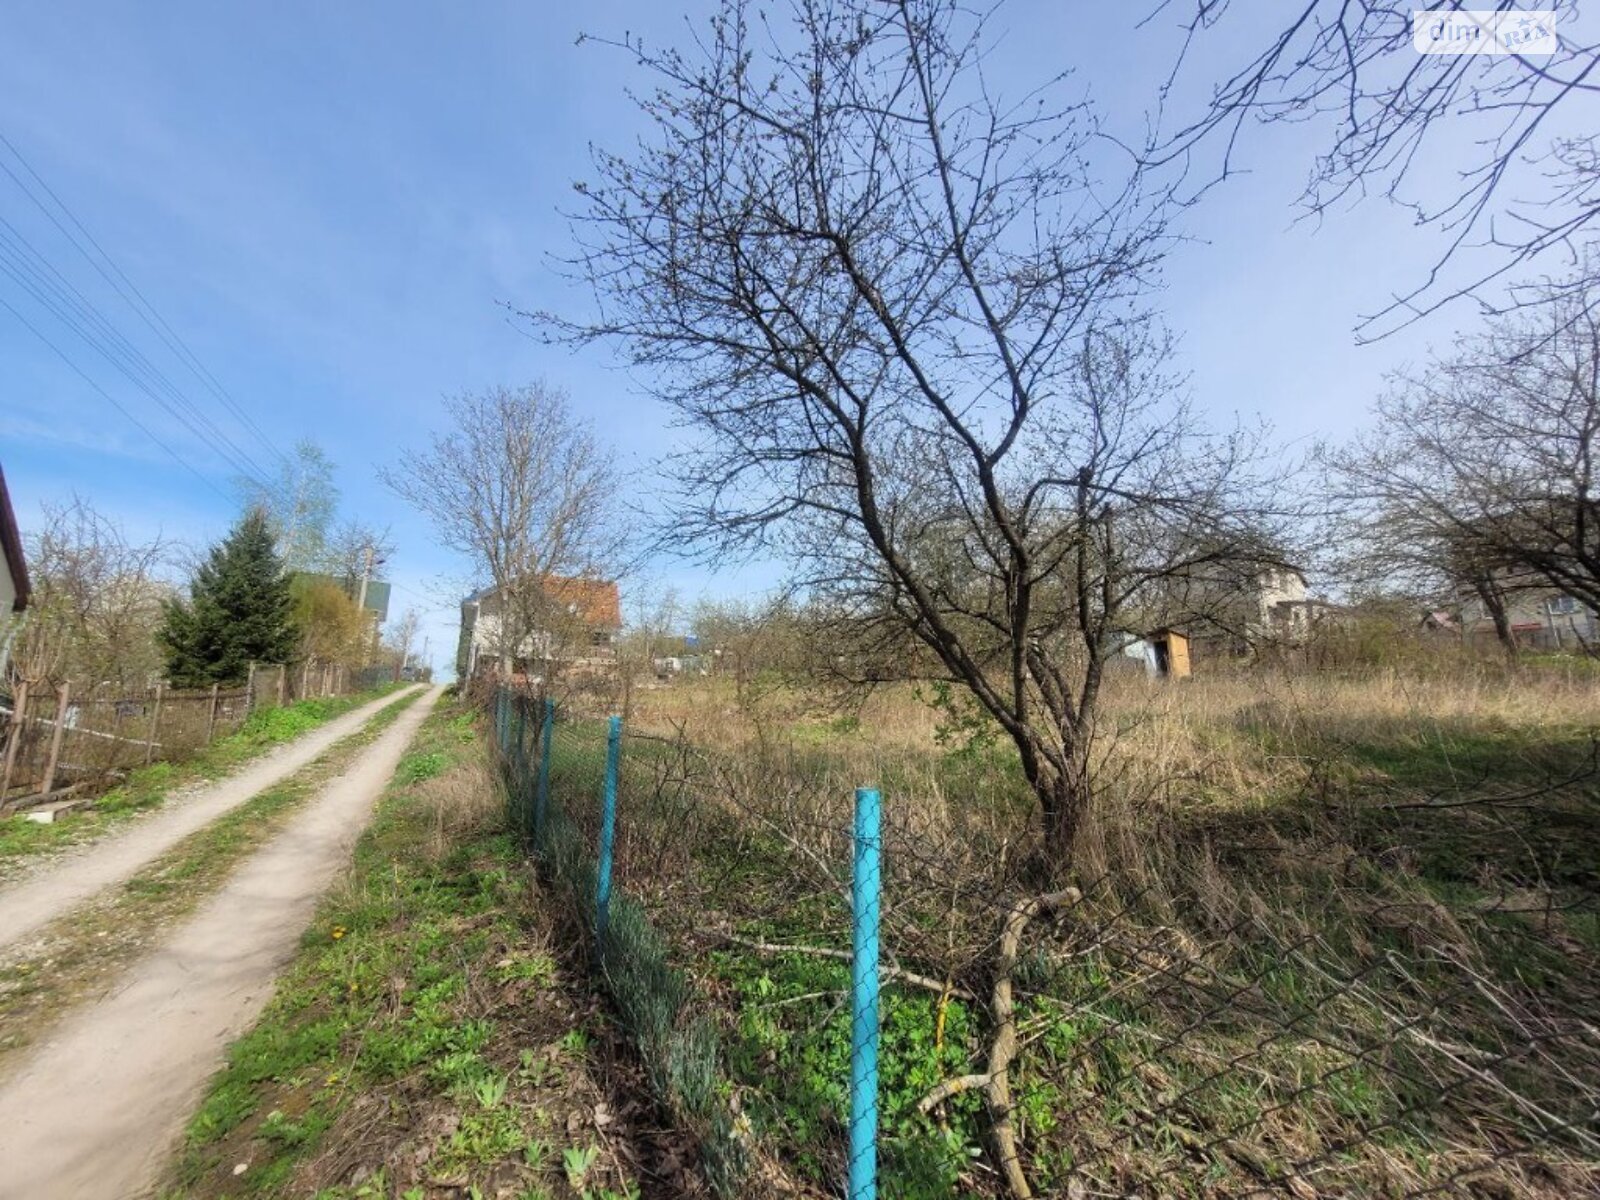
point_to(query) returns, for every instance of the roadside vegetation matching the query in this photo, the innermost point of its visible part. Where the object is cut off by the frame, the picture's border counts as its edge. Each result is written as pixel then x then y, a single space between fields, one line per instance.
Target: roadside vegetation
pixel 426 1042
pixel 88 947
pixel 148 787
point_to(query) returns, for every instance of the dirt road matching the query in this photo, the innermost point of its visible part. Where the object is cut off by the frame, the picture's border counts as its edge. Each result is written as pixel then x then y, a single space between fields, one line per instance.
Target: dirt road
pixel 67 881
pixel 94 1112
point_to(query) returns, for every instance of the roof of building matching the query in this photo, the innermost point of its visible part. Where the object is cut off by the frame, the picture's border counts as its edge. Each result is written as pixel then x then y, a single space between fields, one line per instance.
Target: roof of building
pixel 11 546
pixel 597 601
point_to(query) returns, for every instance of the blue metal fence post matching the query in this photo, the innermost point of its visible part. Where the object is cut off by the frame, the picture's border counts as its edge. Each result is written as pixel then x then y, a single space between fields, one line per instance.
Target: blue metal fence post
pixel 608 834
pixel 541 795
pixel 519 765
pixel 866 884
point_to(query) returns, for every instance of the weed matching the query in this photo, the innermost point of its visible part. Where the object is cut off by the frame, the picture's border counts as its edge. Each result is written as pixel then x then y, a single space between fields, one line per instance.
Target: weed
pixel 576 1162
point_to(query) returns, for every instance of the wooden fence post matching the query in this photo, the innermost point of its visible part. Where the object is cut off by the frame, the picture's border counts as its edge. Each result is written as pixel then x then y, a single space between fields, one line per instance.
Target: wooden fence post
pixel 19 716
pixel 55 739
pixel 250 690
pixel 211 719
pixel 283 678
pixel 305 680
pixel 155 726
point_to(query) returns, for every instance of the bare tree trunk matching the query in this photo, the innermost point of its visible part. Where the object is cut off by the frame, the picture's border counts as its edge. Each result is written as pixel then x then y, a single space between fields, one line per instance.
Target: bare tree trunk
pixel 19 717
pixel 1494 603
pixel 1063 796
pixel 1064 804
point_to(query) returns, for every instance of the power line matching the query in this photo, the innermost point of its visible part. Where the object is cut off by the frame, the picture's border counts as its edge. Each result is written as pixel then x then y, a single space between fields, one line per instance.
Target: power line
pixel 137 300
pixel 184 463
pixel 55 293
pixel 123 358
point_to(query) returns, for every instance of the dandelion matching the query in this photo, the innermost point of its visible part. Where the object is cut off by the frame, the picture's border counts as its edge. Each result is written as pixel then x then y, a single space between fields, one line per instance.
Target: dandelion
pixel 338 932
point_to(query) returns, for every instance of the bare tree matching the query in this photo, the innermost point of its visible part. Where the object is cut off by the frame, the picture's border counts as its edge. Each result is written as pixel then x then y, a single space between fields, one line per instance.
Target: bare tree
pixel 97 601
pixel 299 503
pixel 518 484
pixel 402 637
pixel 1521 126
pixel 1483 464
pixel 349 546
pixel 900 313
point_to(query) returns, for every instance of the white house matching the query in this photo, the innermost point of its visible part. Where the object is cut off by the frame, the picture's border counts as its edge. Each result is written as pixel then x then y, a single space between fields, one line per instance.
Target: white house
pixel 594 611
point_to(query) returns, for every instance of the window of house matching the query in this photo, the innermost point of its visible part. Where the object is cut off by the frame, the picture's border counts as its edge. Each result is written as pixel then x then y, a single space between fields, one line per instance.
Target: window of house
pixel 1562 606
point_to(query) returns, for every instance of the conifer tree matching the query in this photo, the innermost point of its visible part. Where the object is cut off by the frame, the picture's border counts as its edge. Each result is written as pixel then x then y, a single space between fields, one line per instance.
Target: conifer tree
pixel 239 611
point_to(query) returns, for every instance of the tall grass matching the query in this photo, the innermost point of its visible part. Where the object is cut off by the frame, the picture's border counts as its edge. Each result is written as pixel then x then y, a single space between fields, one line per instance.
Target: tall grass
pixel 1339 931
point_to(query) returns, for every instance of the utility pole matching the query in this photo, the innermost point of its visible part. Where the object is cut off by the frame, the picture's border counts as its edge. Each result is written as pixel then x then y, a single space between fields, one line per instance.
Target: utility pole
pixel 361 601
pixel 366 574
pixel 427 663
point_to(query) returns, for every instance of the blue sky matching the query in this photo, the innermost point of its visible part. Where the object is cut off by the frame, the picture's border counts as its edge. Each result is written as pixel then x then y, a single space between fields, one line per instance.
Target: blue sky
pixel 329 202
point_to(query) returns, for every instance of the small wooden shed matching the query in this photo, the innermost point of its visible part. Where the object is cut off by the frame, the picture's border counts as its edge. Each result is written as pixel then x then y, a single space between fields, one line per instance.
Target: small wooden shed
pixel 1172 652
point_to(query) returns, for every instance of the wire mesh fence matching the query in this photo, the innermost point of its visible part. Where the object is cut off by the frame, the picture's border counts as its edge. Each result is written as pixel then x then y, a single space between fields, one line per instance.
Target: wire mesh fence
pixel 1268 1013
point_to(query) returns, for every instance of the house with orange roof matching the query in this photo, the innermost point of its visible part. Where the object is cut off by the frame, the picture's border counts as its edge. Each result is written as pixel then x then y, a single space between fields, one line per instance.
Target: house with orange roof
pixel 559 621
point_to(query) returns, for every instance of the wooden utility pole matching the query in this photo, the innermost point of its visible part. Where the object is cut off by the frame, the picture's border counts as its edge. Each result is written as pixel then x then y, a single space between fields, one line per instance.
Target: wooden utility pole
pixel 19 715
pixel 55 738
pixel 155 725
pixel 283 676
pixel 211 719
pixel 250 690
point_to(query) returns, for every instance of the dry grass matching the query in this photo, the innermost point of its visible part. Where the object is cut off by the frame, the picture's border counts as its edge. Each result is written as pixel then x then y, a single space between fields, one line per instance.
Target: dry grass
pixel 1340 932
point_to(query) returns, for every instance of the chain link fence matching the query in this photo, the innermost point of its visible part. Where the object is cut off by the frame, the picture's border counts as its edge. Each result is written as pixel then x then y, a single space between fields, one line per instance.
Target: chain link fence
pixel 1264 1010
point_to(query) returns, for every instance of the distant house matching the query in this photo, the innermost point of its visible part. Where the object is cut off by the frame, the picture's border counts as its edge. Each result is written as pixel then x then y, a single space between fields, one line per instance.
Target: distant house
pixel 1541 617
pixel 1269 609
pixel 576 624
pixel 14 589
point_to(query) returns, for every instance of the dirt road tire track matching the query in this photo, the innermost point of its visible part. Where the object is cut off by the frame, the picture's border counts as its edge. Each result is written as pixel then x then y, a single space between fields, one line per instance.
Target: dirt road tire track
pixel 95 1111
pixel 76 876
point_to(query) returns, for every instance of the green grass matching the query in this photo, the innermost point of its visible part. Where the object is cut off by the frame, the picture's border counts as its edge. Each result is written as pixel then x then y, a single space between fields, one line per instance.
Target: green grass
pixel 792 1022
pixel 421 988
pixel 147 787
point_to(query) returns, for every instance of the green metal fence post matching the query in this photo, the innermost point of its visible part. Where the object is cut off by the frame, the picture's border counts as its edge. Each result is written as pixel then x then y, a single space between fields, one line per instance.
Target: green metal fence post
pixel 608 834
pixel 541 795
pixel 519 766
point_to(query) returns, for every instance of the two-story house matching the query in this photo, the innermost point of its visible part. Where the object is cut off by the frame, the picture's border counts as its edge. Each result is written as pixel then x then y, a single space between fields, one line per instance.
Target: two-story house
pixel 565 621
pixel 1541 617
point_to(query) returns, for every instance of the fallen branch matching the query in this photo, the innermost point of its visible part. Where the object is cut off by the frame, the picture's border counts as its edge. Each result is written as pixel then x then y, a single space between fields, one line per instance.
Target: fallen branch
pixel 996 1081
pixel 922 981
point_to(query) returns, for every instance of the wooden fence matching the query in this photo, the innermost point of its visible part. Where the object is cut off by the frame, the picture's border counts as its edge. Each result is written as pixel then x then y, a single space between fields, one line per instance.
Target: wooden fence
pixel 60 739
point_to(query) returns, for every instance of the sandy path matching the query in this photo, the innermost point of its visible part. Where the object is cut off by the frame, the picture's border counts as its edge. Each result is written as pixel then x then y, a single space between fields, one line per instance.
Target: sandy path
pixel 95 1112
pixel 75 876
